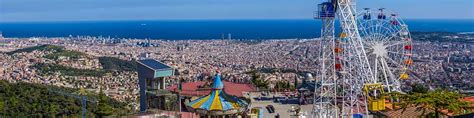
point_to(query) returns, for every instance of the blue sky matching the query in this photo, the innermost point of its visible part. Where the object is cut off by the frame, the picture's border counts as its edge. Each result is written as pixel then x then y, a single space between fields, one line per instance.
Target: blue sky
pixel 74 10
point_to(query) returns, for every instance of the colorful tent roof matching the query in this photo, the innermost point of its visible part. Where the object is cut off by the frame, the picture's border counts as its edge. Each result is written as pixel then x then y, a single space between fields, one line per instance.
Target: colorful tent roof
pixel 217 82
pixel 218 102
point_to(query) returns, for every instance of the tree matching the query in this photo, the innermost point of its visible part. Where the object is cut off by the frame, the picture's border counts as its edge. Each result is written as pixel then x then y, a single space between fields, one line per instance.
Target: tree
pixel 258 81
pixel 296 82
pixel 254 74
pixel 288 86
pixel 432 100
pixel 82 92
pixel 53 109
pixel 37 100
pixel 280 85
pixel 103 109
pixel 2 104
pixel 419 88
pixel 284 85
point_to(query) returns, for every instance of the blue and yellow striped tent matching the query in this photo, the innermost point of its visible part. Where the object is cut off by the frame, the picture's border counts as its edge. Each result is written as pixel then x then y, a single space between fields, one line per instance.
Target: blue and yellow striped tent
pixel 218 102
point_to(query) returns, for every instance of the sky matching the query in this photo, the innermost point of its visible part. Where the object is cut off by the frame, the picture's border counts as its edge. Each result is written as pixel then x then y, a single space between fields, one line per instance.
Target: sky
pixel 86 10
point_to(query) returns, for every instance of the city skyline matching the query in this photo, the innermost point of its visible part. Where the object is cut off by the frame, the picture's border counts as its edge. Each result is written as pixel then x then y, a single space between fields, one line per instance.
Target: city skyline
pixel 87 10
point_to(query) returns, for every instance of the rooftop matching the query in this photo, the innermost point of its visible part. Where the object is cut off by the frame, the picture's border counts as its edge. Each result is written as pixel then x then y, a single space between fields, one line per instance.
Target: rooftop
pixel 153 64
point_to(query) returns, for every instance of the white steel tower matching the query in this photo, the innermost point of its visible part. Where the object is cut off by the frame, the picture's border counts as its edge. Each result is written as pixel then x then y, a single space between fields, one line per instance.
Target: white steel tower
pixel 325 97
pixel 355 62
pixel 343 63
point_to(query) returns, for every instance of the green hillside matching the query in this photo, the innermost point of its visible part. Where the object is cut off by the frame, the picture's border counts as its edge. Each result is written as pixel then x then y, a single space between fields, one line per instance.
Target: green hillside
pixel 65 53
pixel 35 100
pixel 116 64
pixel 47 69
pixel 40 48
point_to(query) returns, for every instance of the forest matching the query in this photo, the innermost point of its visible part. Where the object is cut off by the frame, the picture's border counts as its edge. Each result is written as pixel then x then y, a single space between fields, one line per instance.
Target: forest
pixel 35 100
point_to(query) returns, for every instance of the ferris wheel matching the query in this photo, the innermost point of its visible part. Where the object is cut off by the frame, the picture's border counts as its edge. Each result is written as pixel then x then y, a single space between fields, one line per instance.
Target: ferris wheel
pixel 389 46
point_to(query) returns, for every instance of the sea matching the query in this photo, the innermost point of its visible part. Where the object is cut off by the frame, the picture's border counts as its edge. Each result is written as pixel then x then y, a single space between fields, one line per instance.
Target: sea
pixel 204 29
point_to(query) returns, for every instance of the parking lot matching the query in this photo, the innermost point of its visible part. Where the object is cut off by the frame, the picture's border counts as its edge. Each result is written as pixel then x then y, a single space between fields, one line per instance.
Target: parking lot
pixel 283 107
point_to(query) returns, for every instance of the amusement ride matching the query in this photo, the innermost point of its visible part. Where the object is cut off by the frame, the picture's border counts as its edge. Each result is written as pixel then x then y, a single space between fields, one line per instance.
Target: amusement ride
pixel 369 56
pixel 389 46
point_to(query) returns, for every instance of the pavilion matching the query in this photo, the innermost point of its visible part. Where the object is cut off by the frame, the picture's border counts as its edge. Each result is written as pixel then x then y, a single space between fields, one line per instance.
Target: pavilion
pixel 218 103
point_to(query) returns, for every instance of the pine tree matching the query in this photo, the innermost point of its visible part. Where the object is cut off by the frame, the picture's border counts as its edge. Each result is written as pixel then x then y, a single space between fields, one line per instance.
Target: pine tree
pixel 433 100
pixel 103 109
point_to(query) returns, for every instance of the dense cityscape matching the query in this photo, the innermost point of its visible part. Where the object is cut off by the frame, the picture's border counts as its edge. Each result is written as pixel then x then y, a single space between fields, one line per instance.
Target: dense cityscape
pixel 439 64
pixel 237 59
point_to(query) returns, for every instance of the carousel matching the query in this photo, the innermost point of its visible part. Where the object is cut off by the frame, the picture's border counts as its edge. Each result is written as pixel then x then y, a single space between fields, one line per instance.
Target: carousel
pixel 217 103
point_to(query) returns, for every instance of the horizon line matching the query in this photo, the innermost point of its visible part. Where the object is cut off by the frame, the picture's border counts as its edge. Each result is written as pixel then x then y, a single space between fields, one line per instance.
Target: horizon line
pixel 247 19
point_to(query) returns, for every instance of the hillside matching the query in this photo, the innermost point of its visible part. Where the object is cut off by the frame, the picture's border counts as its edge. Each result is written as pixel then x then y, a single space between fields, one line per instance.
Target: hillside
pixel 65 53
pixel 40 48
pixel 116 64
pixel 47 69
pixel 35 100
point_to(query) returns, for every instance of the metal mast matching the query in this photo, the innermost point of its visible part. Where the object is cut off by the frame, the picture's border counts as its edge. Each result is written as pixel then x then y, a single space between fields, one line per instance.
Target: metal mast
pixel 325 102
pixel 84 99
pixel 355 60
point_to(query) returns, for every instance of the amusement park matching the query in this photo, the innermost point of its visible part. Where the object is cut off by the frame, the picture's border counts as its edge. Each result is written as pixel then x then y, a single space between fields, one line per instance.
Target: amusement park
pixel 368 58
pixel 363 60
pixel 328 59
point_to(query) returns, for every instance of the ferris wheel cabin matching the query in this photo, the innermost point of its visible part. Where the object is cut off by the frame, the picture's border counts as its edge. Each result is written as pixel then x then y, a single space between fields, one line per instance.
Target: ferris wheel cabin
pixel 381 14
pixel 367 15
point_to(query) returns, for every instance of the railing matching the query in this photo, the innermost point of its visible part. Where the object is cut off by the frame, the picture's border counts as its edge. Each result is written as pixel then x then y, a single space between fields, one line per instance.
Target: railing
pixel 323 14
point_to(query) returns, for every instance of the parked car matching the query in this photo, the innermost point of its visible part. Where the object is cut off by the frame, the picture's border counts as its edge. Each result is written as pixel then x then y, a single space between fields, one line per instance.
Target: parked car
pixel 270 108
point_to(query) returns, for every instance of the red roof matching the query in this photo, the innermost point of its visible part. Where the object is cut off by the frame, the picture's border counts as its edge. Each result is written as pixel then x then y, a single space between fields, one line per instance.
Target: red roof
pixel 469 99
pixel 191 89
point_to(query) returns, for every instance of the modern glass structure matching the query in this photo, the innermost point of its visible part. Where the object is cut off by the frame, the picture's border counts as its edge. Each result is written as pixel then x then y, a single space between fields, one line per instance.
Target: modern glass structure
pixel 152 77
